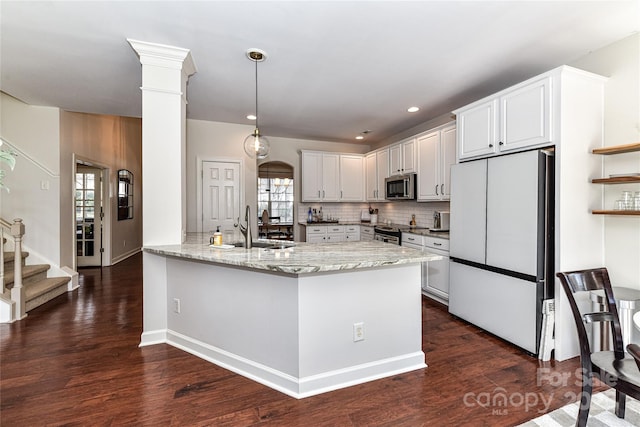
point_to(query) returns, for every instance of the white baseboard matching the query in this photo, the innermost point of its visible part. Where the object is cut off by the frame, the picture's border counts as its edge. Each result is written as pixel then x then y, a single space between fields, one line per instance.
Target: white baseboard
pixel 73 282
pixel 125 255
pixel 153 337
pixel 287 384
pixel 7 309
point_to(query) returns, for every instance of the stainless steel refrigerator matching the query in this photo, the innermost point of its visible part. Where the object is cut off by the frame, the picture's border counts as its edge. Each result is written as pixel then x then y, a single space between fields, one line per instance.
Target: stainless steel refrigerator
pixel 501 248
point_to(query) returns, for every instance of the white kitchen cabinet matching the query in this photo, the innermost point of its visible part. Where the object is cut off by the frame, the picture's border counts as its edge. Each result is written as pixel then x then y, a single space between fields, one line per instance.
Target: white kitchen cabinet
pixel 332 233
pixel 335 233
pixel 352 233
pixel 366 232
pixel 351 178
pixel 311 177
pixel 332 177
pixel 402 157
pixel 435 274
pixel 316 238
pixel 513 119
pixel 436 152
pixel 376 171
pixel 437 283
pixel 320 176
pixel 316 234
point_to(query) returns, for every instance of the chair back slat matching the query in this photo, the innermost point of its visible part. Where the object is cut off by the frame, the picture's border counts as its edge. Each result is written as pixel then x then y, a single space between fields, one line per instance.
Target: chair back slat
pixel 586 280
pixel 600 316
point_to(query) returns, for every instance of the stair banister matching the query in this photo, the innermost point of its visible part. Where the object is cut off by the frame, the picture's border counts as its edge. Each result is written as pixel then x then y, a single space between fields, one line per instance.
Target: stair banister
pixel 17 291
pixel 4 224
pixel 2 257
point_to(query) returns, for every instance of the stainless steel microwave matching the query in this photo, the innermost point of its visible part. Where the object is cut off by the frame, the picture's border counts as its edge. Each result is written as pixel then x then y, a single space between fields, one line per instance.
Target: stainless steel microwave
pixel 401 187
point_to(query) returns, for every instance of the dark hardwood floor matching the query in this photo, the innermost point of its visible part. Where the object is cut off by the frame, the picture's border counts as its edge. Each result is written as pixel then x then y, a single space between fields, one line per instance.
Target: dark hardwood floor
pixel 76 361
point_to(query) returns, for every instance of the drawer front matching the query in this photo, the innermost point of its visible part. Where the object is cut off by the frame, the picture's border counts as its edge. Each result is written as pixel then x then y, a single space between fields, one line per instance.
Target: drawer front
pixel 316 230
pixel 414 239
pixel 366 230
pixel 434 242
pixel 352 228
pixel 335 229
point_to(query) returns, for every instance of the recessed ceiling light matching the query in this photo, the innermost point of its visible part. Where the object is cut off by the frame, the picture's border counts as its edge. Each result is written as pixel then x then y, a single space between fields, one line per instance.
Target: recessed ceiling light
pixel 251 117
pixel 413 109
pixel 359 137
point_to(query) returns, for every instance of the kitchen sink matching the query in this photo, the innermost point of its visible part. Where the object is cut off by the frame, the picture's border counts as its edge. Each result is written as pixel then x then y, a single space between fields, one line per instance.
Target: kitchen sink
pixel 266 245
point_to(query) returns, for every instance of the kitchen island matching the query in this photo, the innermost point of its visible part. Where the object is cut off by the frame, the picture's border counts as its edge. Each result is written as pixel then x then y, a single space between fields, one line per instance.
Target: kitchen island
pixel 303 320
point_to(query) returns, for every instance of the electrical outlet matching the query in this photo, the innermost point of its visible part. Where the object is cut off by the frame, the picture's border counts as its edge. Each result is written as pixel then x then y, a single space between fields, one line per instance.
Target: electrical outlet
pixel 358 331
pixel 176 305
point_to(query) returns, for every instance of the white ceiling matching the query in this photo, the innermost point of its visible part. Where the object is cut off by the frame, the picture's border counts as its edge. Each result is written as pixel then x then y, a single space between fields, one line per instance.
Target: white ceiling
pixel 334 68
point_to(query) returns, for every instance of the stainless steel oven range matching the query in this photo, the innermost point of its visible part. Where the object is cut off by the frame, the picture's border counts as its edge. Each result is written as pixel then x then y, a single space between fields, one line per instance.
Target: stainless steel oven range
pixel 387 234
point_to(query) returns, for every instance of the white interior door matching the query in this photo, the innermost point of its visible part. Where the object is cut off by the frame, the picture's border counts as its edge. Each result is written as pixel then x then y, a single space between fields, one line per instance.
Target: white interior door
pixel 220 195
pixel 88 206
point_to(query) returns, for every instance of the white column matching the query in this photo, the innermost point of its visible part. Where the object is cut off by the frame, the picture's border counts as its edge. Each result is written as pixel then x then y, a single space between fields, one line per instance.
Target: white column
pixel 165 71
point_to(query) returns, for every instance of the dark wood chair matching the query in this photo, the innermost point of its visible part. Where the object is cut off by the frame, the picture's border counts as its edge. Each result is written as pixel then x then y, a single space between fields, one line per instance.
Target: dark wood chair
pixel 634 350
pixel 613 368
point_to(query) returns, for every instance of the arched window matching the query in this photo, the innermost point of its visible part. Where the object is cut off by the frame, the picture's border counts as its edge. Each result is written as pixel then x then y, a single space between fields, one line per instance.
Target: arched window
pixel 275 191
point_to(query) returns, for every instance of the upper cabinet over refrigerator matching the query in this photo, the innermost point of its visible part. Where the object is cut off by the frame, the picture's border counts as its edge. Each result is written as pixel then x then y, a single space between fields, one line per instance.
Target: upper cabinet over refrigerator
pixel 513 119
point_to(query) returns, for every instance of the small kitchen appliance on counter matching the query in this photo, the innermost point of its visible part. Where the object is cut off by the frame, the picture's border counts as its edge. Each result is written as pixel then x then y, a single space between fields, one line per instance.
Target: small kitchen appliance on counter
pixel 440 221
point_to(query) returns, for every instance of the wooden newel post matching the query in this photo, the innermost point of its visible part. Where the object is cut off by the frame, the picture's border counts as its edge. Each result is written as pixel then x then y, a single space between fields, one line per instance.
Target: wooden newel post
pixel 17 292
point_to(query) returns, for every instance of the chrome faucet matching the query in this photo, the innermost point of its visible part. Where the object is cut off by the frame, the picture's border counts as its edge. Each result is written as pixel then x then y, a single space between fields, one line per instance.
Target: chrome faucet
pixel 246 230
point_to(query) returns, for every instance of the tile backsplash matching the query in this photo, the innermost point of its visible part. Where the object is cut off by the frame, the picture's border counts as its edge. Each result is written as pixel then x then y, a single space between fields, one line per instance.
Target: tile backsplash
pixel 397 212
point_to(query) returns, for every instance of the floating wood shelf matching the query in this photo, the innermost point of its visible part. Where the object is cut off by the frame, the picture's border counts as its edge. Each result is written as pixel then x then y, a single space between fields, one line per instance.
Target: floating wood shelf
pixel 623 213
pixel 617 180
pixel 618 149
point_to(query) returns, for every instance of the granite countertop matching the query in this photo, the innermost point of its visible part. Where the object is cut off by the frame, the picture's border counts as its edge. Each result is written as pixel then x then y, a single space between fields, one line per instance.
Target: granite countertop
pixel 427 232
pixel 302 258
pixel 423 231
pixel 366 224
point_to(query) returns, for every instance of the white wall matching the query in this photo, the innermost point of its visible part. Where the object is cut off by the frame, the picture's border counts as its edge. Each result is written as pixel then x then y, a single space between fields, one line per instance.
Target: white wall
pixel 216 140
pixel 422 127
pixel 42 182
pixel 34 133
pixel 621 63
pixel 114 143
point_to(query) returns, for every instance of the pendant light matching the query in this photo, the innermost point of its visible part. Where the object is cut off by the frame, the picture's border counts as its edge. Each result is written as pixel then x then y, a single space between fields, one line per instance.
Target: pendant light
pixel 256 145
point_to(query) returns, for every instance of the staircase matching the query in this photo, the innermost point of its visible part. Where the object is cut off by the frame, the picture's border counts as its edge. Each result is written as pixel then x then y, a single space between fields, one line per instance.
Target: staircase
pixel 38 288
pixel 25 287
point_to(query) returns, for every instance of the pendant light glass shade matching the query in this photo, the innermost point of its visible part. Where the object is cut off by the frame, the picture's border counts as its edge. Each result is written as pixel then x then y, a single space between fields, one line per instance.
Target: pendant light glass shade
pixel 255 145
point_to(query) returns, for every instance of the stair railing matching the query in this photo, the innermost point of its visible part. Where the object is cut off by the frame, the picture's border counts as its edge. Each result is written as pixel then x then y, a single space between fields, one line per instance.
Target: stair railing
pixel 5 226
pixel 16 230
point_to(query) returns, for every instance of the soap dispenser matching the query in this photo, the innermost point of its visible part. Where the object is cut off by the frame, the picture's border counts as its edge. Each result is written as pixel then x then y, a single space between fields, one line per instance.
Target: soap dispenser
pixel 217 237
